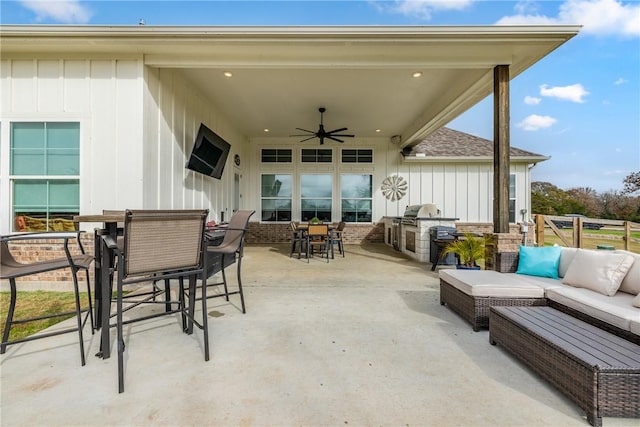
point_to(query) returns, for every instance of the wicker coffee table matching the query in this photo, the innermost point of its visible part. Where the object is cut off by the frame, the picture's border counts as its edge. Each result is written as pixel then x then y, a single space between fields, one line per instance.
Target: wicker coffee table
pixel 597 370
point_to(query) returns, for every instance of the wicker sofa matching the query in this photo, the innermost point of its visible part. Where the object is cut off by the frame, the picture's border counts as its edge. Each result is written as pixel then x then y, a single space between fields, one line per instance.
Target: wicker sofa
pixel 472 293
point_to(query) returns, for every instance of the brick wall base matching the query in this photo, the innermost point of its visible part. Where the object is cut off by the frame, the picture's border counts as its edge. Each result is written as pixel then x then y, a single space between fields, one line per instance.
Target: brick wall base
pixel 281 233
pixel 60 280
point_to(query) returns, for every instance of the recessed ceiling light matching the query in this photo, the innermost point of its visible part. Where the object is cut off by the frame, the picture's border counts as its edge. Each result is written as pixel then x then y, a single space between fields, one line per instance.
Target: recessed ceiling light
pixel 417 74
pixel 266 130
pixel 228 74
pixel 378 130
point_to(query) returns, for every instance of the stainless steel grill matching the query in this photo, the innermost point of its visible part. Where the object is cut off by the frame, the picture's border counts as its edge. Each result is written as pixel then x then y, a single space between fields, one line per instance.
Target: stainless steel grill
pixel 414 212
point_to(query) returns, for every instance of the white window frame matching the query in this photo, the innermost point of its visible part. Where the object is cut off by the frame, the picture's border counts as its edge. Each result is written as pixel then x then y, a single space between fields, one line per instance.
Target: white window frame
pixel 6 179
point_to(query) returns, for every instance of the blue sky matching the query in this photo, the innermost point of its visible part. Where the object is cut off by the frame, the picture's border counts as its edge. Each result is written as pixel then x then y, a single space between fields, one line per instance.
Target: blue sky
pixel 580 105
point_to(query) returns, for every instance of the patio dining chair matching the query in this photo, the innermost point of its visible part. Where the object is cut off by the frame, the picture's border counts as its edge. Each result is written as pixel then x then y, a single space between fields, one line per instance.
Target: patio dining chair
pixel 159 245
pixel 232 246
pixel 336 237
pixel 318 237
pixel 296 238
pixel 11 270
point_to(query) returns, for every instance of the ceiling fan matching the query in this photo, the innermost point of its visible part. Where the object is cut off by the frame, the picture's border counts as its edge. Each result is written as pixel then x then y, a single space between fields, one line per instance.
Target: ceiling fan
pixel 321 134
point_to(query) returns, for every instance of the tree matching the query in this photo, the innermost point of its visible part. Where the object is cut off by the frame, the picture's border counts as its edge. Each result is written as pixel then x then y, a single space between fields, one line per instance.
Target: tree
pixel 585 201
pixel 547 199
pixel 631 183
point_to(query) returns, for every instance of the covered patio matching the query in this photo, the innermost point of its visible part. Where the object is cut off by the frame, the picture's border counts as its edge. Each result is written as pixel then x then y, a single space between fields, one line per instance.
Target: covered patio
pixel 361 340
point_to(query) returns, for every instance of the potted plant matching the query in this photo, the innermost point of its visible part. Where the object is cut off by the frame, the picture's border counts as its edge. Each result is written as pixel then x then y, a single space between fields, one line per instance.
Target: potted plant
pixel 315 220
pixel 468 250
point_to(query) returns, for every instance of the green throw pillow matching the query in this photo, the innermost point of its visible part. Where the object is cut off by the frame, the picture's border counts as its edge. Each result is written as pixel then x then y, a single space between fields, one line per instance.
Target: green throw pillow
pixel 542 262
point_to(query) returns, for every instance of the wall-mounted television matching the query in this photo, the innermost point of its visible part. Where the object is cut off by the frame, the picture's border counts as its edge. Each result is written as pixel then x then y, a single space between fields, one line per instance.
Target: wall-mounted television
pixel 209 154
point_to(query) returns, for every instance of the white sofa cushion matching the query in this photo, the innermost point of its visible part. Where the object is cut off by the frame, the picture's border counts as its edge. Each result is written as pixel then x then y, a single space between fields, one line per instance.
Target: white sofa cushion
pixel 489 283
pixel 600 271
pixel 565 260
pixel 636 301
pixel 631 282
pixel 543 282
pixel 616 310
pixel 634 326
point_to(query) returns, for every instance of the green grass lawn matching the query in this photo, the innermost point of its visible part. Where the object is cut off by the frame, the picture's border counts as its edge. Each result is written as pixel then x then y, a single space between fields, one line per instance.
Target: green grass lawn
pixel 34 304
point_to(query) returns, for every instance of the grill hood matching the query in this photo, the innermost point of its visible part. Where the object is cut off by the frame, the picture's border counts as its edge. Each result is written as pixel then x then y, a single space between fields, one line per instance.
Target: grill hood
pixel 428 210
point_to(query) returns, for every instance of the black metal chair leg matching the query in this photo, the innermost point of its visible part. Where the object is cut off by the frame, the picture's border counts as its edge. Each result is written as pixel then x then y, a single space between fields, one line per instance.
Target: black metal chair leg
pixel 7 325
pixel 93 325
pixel 181 302
pixel 224 279
pixel 74 276
pixel 240 284
pixel 167 295
pixel 120 335
pixel 205 315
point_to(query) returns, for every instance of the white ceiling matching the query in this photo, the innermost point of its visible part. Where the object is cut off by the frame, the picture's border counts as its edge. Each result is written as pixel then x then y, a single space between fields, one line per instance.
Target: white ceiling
pixel 282 75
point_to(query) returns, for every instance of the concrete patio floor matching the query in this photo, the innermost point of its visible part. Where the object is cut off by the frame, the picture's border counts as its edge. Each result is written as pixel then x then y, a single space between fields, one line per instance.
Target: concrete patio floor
pixel 360 341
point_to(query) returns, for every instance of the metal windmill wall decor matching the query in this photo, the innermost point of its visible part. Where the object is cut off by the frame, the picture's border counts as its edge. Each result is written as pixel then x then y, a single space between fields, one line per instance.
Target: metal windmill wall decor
pixel 394 187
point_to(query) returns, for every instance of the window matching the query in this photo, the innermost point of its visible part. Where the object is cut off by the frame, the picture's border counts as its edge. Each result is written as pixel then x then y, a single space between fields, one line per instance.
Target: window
pixel 44 173
pixel 321 155
pixel 276 192
pixel 276 155
pixel 357 156
pixel 356 197
pixel 316 194
pixel 512 198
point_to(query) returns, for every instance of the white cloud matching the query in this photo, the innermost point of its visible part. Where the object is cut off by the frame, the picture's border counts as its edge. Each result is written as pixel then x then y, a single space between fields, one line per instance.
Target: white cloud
pixel 573 93
pixel 532 100
pixel 535 122
pixel 423 9
pixel 620 81
pixel 526 6
pixel 600 17
pixel 63 11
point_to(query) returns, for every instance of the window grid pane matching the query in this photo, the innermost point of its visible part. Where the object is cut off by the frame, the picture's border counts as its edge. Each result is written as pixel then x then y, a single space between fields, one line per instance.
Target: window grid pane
pixel 512 198
pixel 316 197
pixel 356 193
pixel 276 192
pixel 276 155
pixel 312 155
pixel 46 150
pixel 357 156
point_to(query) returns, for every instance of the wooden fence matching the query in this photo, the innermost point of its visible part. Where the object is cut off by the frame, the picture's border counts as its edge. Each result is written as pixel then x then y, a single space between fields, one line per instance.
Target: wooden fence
pixel 621 232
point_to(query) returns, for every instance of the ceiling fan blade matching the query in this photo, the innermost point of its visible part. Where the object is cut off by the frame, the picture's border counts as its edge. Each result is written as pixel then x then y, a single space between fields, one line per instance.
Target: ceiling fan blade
pixel 336 130
pixel 305 130
pixel 311 137
pixel 343 135
pixel 333 138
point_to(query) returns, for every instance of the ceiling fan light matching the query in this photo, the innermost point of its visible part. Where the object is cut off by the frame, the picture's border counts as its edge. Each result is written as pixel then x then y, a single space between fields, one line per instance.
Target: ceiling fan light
pixel 228 74
pixel 417 74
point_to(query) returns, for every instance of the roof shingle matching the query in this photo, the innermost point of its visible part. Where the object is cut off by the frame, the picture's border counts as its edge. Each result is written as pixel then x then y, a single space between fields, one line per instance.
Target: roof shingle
pixel 449 143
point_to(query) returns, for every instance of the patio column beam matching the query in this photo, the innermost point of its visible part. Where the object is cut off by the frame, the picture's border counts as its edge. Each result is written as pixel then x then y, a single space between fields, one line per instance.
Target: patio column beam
pixel 501 148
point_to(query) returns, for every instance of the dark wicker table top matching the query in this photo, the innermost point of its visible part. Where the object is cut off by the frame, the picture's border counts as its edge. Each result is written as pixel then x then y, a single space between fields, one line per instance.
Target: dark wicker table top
pixel 593 346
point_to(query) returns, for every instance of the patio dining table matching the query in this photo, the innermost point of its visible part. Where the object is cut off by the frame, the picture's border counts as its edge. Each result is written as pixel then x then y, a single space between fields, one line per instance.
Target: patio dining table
pixel 302 229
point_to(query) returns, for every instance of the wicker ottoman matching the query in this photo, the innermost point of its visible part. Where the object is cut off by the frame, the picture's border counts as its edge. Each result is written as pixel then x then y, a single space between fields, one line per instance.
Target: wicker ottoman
pixel 599 371
pixel 471 293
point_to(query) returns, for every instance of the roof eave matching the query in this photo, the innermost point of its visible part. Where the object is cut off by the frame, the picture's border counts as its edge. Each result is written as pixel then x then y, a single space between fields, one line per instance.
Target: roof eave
pixel 472 159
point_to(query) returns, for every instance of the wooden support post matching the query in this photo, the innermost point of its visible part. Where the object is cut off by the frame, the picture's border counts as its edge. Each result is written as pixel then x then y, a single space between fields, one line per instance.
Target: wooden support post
pixel 540 230
pixel 501 148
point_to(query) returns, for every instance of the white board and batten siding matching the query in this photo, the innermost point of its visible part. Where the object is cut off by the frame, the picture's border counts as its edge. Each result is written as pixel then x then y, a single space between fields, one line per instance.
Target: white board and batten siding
pixel 461 190
pixel 137 128
pixel 174 110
